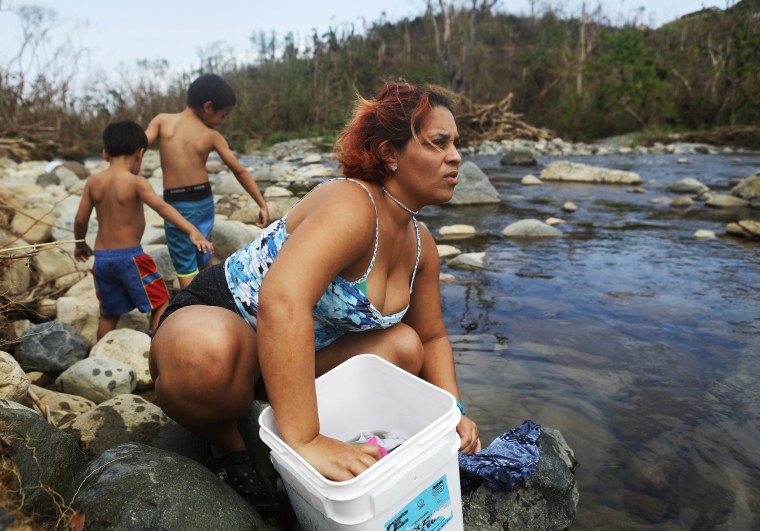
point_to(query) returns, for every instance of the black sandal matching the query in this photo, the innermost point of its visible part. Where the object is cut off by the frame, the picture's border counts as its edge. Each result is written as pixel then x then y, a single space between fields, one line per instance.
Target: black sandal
pixel 238 470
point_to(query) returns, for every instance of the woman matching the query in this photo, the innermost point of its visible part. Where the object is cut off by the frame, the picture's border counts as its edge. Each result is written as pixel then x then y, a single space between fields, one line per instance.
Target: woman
pixel 349 257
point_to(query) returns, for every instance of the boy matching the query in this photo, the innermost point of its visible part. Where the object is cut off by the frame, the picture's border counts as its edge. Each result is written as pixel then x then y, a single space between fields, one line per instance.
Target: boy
pixel 185 140
pixel 125 277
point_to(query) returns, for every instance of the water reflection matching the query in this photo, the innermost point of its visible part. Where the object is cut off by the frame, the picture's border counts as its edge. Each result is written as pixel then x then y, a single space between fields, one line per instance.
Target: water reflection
pixel 637 341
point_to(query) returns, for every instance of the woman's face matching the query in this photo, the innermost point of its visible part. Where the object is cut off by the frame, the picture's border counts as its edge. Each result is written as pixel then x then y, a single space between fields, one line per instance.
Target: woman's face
pixel 428 166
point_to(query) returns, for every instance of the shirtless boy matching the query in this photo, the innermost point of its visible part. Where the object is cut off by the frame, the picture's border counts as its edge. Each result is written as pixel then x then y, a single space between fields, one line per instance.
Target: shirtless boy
pixel 125 277
pixel 185 140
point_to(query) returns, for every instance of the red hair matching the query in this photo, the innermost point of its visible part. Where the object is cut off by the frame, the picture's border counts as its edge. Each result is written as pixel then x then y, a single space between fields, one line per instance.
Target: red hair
pixel 392 117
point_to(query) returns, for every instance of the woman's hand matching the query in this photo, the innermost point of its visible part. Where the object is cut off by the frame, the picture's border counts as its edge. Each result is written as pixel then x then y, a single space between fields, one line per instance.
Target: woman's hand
pixel 337 460
pixel 470 436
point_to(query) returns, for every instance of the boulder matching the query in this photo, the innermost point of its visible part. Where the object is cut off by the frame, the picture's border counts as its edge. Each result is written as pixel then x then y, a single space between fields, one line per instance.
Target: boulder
pixel 97 379
pixel 474 187
pixel 457 231
pixel 58 266
pixel 227 184
pixel 229 236
pixel 130 347
pixel 15 275
pixel 749 189
pixel 160 255
pixel 151 161
pixel 468 261
pixel 725 201
pixel 277 192
pixel 518 156
pixel 703 234
pixel 746 228
pixel 576 172
pixel 136 487
pixel 62 402
pixel 531 180
pixel 13 381
pixel 682 202
pixel 35 225
pixel 121 419
pixel 530 228
pixel 79 169
pixel 688 185
pixel 82 313
pixel 447 251
pixel 547 502
pixel 53 346
pixel 45 460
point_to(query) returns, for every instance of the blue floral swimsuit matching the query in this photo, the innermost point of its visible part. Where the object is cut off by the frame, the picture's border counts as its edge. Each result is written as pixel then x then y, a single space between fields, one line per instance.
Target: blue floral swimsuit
pixel 343 307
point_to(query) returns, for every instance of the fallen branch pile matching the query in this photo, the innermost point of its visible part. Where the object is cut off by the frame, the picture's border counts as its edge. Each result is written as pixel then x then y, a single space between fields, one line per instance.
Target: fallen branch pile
pixel 493 121
pixel 37 143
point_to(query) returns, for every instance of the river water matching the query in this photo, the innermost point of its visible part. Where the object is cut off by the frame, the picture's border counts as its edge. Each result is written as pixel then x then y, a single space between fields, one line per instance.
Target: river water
pixel 636 340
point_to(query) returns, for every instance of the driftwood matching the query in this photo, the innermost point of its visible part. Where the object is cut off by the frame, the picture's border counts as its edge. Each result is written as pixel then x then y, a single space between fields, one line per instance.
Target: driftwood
pixel 39 143
pixel 493 121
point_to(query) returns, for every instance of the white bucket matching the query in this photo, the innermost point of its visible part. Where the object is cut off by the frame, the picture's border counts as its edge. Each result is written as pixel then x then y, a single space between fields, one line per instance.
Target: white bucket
pixel 416 486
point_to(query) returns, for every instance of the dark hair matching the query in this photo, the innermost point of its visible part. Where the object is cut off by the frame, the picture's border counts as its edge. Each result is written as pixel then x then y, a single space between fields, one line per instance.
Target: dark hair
pixel 124 138
pixel 210 87
pixel 392 117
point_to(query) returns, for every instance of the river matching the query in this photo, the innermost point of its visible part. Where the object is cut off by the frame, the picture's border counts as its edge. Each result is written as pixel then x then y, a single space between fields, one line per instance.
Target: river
pixel 638 341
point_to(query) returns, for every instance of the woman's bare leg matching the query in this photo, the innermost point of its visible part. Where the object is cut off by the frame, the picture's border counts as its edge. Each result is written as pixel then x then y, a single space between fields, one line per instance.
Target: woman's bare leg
pixel 204 365
pixel 399 345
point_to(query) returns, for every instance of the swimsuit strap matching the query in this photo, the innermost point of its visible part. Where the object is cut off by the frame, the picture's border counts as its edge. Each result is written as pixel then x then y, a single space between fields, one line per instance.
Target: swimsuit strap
pixel 377 230
pixel 419 249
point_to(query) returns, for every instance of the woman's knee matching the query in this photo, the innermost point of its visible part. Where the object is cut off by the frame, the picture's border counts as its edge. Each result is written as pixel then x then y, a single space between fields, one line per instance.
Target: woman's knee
pixel 190 355
pixel 406 348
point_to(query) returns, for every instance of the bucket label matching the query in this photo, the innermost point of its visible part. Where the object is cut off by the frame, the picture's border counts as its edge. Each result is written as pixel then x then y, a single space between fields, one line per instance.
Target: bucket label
pixel 430 510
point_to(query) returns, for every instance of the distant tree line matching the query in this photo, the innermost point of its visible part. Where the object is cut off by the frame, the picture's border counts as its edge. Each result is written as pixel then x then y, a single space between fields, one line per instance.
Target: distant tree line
pixel 581 76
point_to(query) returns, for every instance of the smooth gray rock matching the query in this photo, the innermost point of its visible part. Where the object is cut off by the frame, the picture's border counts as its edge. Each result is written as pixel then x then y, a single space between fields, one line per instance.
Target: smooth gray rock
pixel 746 228
pixel 468 261
pixel 48 178
pixel 748 188
pixel 175 438
pixel 518 156
pixel 227 184
pixel 689 185
pixel 725 201
pixel 52 346
pixel 575 172
pixel 547 502
pixel 530 228
pixel 474 188
pixel 46 460
pixel 137 487
pixel 229 236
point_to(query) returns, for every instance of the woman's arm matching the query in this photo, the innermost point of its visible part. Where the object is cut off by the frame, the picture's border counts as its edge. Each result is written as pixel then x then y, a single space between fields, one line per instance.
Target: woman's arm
pixel 335 229
pixel 424 315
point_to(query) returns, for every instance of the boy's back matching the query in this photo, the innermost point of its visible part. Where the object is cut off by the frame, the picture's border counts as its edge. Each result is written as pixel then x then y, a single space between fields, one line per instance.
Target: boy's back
pixel 184 143
pixel 121 218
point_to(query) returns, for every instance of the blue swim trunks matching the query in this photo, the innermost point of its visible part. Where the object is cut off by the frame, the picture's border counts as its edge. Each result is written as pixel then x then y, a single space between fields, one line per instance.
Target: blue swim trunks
pixel 196 204
pixel 126 279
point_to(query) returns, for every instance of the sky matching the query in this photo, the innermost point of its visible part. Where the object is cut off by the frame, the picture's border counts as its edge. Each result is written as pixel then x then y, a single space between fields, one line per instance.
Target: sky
pixel 111 33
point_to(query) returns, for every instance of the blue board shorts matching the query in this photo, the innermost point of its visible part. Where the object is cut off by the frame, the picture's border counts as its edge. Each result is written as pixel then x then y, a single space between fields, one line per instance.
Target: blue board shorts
pixel 126 279
pixel 196 204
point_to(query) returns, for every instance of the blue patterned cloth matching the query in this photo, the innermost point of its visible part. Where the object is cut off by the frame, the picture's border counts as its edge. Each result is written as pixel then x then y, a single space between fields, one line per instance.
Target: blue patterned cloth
pixel 509 461
pixel 341 308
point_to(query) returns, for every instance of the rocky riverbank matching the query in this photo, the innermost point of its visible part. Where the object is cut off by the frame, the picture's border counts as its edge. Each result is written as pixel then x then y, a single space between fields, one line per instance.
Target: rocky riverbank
pixel 78 411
